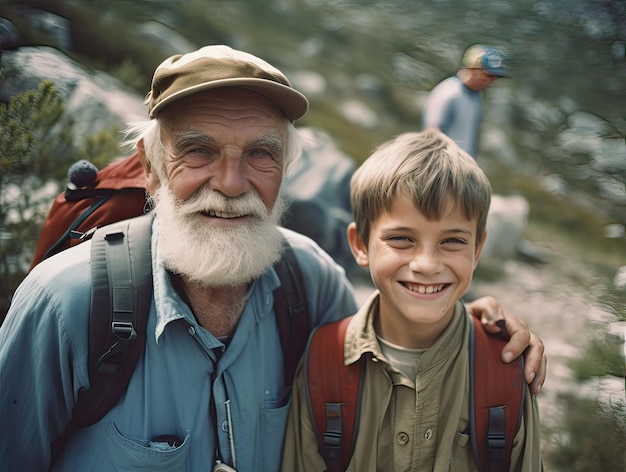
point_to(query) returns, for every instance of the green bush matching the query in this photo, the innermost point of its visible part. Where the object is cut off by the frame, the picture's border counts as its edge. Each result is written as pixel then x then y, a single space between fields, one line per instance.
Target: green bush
pixel 592 437
pixel 27 156
pixel 603 356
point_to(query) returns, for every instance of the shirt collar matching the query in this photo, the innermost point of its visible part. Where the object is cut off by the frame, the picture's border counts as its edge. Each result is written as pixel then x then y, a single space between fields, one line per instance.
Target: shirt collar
pixel 170 306
pixel 361 336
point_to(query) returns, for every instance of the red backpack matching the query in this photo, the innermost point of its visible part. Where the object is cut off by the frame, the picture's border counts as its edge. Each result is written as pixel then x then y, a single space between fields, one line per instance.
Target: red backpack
pixel 334 390
pixel 94 199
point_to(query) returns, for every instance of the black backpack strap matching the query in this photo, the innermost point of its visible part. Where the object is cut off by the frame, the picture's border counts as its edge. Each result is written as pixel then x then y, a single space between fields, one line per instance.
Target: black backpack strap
pixel 121 269
pixel 70 232
pixel 292 312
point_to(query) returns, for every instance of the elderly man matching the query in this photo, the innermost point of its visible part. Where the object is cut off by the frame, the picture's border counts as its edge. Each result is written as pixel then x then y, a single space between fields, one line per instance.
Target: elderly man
pixel 455 105
pixel 209 392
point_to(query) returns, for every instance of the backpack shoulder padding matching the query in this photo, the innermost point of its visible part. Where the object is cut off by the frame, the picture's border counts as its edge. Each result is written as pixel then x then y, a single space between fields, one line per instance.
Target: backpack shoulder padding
pixel 121 270
pixel 497 392
pixel 292 312
pixel 334 393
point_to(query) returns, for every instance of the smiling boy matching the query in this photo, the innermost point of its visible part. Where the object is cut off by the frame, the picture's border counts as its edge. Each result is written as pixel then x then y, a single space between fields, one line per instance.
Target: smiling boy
pixel 420 208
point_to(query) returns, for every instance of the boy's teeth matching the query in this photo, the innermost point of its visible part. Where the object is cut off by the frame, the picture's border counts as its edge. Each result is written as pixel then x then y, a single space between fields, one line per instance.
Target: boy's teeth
pixel 425 288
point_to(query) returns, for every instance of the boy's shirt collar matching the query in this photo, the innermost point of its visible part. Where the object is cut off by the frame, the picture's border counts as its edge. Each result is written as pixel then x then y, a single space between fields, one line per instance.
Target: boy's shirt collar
pixel 361 335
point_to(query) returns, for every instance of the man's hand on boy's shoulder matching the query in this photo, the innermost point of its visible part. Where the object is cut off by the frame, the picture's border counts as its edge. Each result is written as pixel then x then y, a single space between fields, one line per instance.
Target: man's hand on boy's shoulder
pixel 521 339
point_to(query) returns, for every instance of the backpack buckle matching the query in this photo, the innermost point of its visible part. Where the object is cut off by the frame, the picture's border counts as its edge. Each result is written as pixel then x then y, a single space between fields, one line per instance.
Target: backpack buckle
pixel 124 330
pixel 332 439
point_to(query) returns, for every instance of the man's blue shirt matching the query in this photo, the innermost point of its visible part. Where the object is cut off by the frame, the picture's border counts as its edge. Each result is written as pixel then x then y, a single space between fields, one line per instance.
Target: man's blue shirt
pixel 43 365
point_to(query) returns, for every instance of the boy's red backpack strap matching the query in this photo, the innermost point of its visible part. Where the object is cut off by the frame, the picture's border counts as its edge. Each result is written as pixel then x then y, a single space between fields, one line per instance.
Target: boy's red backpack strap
pixel 334 392
pixel 497 393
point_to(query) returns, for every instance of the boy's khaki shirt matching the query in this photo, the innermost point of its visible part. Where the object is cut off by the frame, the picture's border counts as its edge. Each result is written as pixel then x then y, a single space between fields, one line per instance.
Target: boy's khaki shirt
pixel 403 428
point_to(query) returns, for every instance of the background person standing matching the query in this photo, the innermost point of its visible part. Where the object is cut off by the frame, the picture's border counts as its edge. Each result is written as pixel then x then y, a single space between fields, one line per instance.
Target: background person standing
pixel 455 105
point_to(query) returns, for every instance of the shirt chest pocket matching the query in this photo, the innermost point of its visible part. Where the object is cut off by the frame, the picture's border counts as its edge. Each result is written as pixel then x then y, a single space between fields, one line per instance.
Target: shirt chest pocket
pixel 127 454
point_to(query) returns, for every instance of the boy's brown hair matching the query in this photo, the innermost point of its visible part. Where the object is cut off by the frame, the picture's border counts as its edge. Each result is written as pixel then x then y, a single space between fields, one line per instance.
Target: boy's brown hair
pixel 427 167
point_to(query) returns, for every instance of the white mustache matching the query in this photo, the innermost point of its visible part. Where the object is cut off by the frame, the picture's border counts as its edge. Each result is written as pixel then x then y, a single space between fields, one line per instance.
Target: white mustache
pixel 216 255
pixel 214 203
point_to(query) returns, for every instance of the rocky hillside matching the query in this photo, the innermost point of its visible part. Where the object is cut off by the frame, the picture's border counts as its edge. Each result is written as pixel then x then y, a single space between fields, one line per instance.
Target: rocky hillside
pixel 554 133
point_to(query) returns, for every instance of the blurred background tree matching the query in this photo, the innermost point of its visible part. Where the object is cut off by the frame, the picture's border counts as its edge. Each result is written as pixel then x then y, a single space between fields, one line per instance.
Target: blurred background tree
pixel 29 150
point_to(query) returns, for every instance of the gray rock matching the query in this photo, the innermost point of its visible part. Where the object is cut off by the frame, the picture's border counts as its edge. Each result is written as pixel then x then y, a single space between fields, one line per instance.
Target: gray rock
pixel 619 281
pixel 95 100
pixel 165 38
pixel 506 223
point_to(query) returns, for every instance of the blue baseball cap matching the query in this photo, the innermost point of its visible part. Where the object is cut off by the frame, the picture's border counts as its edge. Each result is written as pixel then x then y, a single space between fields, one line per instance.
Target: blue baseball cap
pixel 484 57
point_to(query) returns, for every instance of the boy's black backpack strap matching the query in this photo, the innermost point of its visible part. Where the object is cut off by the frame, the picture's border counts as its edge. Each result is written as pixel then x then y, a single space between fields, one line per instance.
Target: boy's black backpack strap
pixel 121 270
pixel 497 392
pixel 291 309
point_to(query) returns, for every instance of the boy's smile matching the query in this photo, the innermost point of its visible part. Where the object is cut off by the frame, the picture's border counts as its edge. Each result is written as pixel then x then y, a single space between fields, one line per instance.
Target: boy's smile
pixel 421 268
pixel 425 288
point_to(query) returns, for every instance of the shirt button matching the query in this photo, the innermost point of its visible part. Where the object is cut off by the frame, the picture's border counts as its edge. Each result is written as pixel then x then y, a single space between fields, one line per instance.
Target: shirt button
pixel 225 426
pixel 403 439
pixel 428 434
pixel 191 330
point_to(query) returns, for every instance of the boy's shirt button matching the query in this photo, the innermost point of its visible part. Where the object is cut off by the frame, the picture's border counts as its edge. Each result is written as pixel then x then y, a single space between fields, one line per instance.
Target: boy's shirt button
pixel 403 439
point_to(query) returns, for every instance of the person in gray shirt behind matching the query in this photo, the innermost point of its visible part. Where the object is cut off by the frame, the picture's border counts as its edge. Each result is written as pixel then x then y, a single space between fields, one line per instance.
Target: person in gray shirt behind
pixel 455 105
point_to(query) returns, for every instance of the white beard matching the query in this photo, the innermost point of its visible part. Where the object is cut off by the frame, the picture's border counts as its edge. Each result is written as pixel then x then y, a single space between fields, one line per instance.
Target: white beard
pixel 212 255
